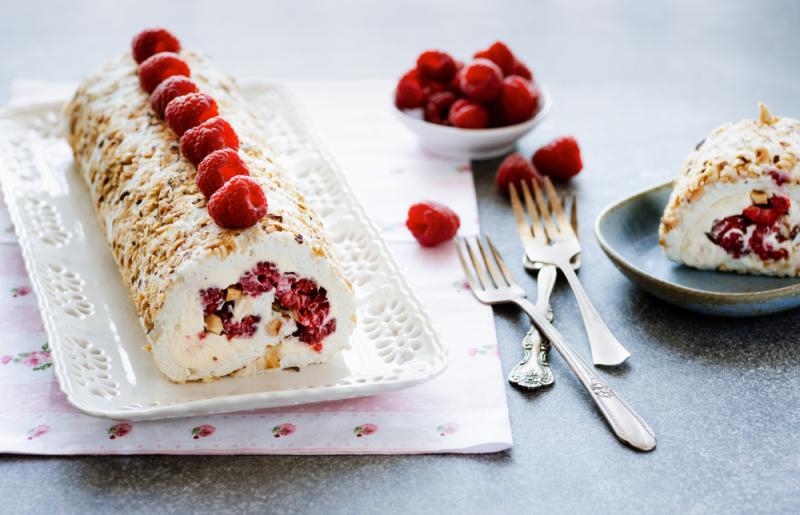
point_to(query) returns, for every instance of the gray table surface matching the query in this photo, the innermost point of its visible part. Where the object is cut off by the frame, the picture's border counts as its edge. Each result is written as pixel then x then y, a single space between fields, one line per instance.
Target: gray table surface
pixel 638 83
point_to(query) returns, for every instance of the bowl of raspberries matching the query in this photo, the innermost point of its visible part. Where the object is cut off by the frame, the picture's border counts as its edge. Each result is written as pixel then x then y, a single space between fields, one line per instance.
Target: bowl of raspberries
pixel 477 109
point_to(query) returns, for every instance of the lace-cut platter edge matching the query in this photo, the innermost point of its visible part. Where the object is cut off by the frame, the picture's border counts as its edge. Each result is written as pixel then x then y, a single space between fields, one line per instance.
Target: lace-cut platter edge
pixel 96 341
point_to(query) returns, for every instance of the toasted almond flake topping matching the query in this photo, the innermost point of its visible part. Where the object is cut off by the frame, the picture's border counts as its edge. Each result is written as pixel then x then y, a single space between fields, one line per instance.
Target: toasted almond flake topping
pixel 764 116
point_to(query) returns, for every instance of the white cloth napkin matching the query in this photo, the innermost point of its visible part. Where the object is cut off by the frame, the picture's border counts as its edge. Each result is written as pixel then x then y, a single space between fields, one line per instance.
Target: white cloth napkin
pixel 463 410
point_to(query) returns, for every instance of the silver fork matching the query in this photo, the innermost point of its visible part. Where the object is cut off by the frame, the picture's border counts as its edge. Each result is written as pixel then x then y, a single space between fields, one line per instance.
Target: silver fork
pixel 557 244
pixel 492 283
pixel 533 370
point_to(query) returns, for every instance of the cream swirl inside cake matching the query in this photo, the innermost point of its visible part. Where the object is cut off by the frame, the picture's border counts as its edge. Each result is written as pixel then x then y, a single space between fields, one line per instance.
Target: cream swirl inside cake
pixel 735 203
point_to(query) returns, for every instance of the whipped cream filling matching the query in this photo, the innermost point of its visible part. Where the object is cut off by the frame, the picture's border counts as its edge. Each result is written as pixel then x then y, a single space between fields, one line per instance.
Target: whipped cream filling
pixel 690 244
pixel 184 351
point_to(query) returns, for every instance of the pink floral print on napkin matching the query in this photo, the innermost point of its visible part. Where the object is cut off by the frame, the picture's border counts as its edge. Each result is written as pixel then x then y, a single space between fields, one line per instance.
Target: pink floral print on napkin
pixel 36 432
pixel 20 291
pixel 364 430
pixel 203 431
pixel 284 429
pixel 447 429
pixel 119 430
pixel 483 350
pixel 37 359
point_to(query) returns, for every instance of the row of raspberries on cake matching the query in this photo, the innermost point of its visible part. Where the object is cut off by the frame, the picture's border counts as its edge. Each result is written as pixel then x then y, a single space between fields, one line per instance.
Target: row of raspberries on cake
pixel 236 201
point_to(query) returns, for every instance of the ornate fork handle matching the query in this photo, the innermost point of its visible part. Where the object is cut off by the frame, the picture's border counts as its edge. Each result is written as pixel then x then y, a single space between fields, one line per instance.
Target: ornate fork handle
pixel 535 373
pixel 624 421
pixel 606 349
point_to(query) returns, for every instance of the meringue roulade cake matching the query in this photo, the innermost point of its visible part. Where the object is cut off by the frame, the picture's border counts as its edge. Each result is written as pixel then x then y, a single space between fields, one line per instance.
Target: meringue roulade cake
pixel 734 206
pixel 214 298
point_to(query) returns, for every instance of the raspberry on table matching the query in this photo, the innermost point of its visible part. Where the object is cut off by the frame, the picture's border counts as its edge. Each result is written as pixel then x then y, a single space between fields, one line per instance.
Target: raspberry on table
pixel 170 88
pixel 515 169
pixel 436 65
pixel 466 114
pixel 432 223
pixel 238 204
pixel 158 67
pixel 211 135
pixel 187 111
pixel 153 41
pixel 481 80
pixel 499 54
pixel 438 106
pixel 217 168
pixel 560 159
pixel 518 101
pixel 409 93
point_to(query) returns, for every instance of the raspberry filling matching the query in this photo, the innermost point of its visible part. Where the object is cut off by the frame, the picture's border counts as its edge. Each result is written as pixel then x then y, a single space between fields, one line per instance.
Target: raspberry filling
pixel 756 230
pixel 300 297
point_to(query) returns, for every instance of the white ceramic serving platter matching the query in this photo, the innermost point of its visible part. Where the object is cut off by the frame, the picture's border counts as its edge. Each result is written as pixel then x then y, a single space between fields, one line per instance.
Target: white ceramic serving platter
pixel 92 325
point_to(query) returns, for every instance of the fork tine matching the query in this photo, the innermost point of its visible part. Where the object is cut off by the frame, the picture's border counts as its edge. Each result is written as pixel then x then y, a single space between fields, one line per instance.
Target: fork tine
pixel 573 214
pixel 500 263
pixel 495 275
pixel 522 224
pixel 555 202
pixel 470 280
pixel 536 228
pixel 547 219
pixel 485 284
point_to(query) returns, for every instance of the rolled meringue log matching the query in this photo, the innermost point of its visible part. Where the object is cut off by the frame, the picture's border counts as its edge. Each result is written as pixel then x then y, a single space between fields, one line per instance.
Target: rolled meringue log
pixel 734 206
pixel 212 301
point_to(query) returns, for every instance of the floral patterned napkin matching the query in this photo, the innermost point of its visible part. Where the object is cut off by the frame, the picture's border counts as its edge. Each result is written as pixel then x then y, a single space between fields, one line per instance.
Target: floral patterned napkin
pixel 463 410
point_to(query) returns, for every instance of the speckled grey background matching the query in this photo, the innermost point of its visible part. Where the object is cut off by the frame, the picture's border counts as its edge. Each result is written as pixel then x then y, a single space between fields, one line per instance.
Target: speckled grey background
pixel 638 83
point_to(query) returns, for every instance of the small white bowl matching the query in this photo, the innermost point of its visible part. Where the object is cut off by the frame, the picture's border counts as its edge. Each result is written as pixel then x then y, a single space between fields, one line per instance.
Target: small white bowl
pixel 471 143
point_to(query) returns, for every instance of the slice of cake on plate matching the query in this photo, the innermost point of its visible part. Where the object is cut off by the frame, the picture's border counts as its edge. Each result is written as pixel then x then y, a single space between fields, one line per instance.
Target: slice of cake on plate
pixel 228 267
pixel 734 206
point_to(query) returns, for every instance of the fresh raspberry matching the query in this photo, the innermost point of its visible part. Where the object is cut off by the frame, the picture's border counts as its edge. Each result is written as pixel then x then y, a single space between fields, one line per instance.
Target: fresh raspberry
pixel 217 168
pixel 153 41
pixel 515 169
pixel 466 114
pixel 768 215
pixel 438 106
pixel 481 80
pixel 762 245
pixel 314 335
pixel 518 101
pixel 188 111
pixel 522 70
pixel 211 135
pixel 436 65
pixel 239 203
pixel 242 329
pixel 409 93
pixel 728 233
pixel 779 177
pixel 560 159
pixel 432 223
pixel 173 87
pixel 158 67
pixel 780 204
pixel 455 84
pixel 212 300
pixel 500 55
pixel 262 278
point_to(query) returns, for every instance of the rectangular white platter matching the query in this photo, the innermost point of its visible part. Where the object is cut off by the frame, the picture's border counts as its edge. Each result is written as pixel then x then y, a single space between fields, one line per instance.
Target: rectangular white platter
pixel 97 342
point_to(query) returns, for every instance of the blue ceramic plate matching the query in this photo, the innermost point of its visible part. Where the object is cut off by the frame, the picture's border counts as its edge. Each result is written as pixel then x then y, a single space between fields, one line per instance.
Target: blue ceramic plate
pixel 628 233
